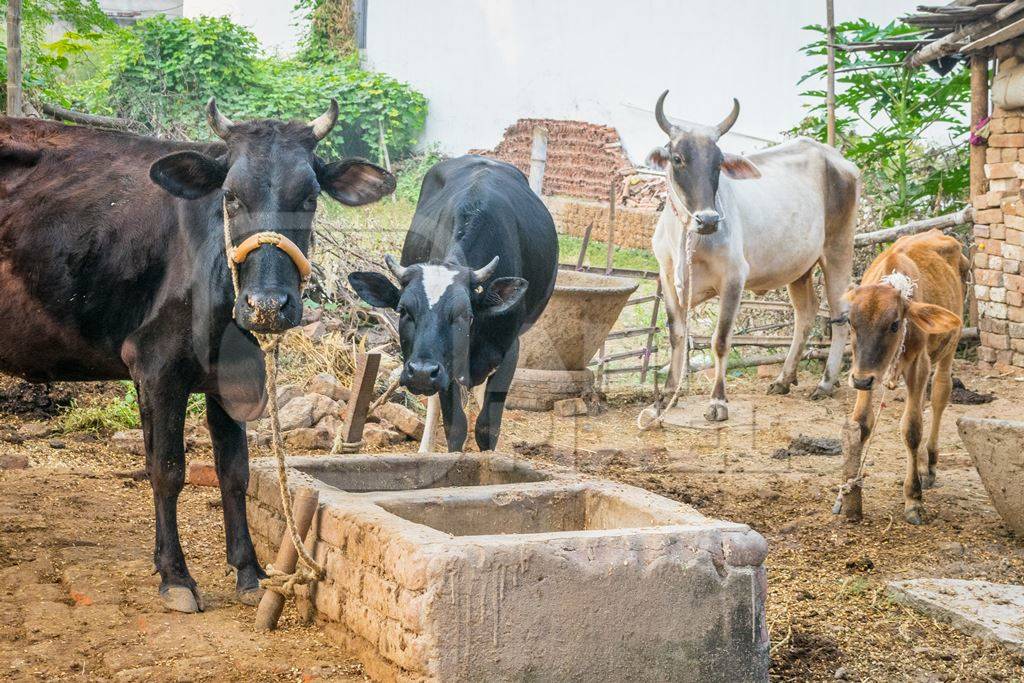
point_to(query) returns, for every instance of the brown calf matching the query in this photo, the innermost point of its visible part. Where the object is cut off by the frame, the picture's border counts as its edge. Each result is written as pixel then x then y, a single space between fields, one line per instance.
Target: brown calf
pixel 904 324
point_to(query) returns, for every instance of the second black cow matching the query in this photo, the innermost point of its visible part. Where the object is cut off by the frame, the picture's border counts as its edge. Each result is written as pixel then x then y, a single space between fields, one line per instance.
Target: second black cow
pixel 477 270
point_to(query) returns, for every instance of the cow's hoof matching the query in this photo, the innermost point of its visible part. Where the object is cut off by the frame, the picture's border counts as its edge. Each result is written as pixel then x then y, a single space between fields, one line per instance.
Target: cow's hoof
pixel 914 515
pixel 717 412
pixel 928 480
pixel 251 596
pixel 820 393
pixel 181 599
pixel 777 388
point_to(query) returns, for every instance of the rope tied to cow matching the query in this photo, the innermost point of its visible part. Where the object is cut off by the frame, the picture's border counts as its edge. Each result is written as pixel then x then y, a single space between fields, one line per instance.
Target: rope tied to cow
pixel 905 286
pixel 659 416
pixel 307 568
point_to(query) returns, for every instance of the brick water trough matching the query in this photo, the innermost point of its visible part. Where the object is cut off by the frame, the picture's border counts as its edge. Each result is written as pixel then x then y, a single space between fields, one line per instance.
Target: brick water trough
pixel 465 567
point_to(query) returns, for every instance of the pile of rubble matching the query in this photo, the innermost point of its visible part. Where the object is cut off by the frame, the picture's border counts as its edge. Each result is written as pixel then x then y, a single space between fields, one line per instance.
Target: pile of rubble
pixel 643 191
pixel 311 415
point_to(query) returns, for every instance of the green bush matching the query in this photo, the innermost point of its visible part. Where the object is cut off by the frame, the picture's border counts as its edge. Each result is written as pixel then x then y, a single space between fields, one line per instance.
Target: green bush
pixel 162 71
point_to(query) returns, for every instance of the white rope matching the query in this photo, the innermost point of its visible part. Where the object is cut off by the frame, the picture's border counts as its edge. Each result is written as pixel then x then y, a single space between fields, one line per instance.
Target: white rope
pixel 659 416
pixel 307 569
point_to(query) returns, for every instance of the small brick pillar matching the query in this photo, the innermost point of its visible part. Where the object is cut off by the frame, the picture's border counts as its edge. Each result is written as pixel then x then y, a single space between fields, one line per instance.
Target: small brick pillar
pixel 999 235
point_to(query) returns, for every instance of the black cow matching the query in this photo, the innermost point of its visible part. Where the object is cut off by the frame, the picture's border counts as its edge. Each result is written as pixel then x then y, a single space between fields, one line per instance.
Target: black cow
pixel 477 269
pixel 112 265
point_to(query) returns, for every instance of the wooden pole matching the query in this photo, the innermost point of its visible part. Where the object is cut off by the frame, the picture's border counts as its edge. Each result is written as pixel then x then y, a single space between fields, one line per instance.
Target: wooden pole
pixel 611 227
pixel 979 110
pixel 830 92
pixel 14 94
pixel 583 247
pixel 650 337
pixel 538 159
pixel 367 365
pixel 305 503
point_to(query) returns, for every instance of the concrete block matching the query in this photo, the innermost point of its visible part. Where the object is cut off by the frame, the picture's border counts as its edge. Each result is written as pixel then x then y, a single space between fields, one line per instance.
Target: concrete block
pixel 569 407
pixel 462 567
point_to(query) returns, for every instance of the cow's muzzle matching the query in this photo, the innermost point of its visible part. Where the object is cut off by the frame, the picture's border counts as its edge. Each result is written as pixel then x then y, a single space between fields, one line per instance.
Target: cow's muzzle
pixel 424 377
pixel 707 221
pixel 862 383
pixel 268 310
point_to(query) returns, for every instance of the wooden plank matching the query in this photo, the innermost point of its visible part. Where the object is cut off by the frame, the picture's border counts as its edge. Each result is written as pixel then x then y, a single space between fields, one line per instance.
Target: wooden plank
pixel 704 341
pixel 631 332
pixel 1008 32
pixel 363 381
pixel 642 299
pixel 949 220
pixel 650 339
pixel 951 42
pixel 632 353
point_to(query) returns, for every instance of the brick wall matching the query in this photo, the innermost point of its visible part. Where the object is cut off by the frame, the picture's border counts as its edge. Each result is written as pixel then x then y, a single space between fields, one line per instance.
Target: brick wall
pixel 999 235
pixel 634 227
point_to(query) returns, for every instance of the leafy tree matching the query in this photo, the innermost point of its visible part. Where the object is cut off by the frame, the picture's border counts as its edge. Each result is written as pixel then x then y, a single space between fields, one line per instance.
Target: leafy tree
pixel 895 107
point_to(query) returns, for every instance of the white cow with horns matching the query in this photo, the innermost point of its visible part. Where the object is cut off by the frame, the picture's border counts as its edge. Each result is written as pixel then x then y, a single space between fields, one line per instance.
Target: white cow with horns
pixel 754 222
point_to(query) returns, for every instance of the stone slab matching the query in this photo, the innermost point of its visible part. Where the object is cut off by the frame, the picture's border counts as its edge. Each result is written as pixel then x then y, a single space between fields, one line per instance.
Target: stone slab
pixel 992 611
pixel 997 448
pixel 466 567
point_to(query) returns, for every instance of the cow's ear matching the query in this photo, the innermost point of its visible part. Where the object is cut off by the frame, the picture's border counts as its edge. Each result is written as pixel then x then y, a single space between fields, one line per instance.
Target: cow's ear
pixel 657 158
pixel 375 289
pixel 355 182
pixel 502 294
pixel 189 175
pixel 933 319
pixel 739 167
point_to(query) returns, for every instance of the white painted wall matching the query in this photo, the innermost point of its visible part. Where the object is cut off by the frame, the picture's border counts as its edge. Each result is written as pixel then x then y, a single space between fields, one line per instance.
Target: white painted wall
pixel 273 21
pixel 485 63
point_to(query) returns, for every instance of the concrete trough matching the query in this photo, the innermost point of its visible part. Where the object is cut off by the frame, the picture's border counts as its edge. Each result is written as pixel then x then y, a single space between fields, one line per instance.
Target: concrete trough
pixel 465 567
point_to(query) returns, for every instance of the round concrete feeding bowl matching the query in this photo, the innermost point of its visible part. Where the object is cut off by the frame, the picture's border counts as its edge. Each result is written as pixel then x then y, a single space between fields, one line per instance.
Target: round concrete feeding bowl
pixel 554 353
pixel 997 448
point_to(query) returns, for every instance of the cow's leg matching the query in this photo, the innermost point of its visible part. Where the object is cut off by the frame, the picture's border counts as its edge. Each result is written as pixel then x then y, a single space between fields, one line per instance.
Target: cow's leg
pixel 488 421
pixel 430 424
pixel 231 458
pixel 837 268
pixel 454 417
pixel 942 384
pixel 162 402
pixel 911 428
pixel 857 433
pixel 729 304
pixel 805 307
pixel 675 314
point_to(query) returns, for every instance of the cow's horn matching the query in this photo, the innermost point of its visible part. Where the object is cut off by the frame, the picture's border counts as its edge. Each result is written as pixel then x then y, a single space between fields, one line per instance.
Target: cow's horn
pixel 220 124
pixel 483 274
pixel 725 125
pixel 397 270
pixel 659 114
pixel 323 124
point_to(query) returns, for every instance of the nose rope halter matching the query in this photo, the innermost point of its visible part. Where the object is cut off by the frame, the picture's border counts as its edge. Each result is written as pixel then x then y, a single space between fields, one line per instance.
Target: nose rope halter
pixel 236 256
pixel 903 284
pixel 307 569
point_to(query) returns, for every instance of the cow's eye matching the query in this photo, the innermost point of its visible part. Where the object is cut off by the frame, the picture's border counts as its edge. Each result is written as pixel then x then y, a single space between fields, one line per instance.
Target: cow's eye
pixel 232 201
pixel 677 160
pixel 895 326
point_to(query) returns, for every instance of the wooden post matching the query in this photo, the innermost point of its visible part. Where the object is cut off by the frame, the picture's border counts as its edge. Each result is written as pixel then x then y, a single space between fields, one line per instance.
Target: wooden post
pixel 583 247
pixel 305 503
pixel 14 95
pixel 830 86
pixel 538 159
pixel 650 337
pixel 851 504
pixel 611 226
pixel 979 110
pixel 367 365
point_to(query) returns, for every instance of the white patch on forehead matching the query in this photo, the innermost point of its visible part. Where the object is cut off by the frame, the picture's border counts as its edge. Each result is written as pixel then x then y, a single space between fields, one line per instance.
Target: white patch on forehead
pixel 901 283
pixel 436 281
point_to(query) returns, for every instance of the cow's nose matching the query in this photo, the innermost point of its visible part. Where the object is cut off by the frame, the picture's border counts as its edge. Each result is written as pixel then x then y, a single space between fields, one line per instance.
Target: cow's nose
pixel 266 310
pixel 707 221
pixel 863 383
pixel 423 375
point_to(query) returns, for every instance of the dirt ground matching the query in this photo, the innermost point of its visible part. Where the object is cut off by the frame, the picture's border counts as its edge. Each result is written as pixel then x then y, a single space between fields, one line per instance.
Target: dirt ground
pixel 80 602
